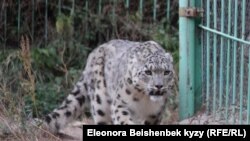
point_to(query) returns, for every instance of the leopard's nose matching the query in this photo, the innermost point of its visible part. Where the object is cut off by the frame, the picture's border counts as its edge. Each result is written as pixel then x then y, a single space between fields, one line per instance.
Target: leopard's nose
pixel 158 86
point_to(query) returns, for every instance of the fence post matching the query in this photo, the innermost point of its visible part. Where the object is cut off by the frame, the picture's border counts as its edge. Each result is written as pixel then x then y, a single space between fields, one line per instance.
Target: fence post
pixel 190 60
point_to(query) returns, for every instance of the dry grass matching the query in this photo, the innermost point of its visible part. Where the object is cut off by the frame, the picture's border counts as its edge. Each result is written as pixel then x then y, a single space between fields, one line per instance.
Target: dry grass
pixel 28 83
pixel 14 125
pixel 14 131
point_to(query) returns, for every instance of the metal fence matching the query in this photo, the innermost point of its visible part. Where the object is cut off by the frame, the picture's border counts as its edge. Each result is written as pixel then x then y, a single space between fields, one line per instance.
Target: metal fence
pixel 226 78
pixel 37 19
pixel 220 54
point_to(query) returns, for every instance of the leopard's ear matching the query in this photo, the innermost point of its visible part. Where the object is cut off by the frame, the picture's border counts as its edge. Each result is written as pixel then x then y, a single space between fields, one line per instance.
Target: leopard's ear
pixel 169 56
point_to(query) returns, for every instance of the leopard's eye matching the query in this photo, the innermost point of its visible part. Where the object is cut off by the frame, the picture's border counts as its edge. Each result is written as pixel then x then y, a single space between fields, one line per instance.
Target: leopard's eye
pixel 167 72
pixel 148 72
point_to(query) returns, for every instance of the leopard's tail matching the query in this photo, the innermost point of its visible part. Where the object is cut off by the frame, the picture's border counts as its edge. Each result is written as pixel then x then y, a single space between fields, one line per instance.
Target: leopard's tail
pixel 76 104
pixel 78 101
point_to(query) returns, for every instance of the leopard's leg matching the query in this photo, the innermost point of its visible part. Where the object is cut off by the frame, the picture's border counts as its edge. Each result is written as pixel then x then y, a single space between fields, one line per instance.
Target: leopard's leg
pixel 100 101
pixel 121 115
pixel 153 119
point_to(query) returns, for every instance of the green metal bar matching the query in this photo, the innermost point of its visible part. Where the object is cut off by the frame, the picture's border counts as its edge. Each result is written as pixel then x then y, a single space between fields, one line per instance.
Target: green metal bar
pixel 18 20
pixel 113 10
pixel 243 28
pixel 241 81
pixel 198 61
pixel 222 53
pixel 33 21
pixel 224 34
pixel 5 25
pixel 72 11
pixel 46 22
pixel 187 83
pixel 243 37
pixel 168 10
pixel 242 57
pixel 100 7
pixel 154 10
pixel 127 7
pixel 186 107
pixel 127 13
pixel 214 56
pixel 114 16
pixel 228 59
pixel 86 19
pixel 208 56
pixel 234 57
pixel 248 95
pixel 127 4
pixel 141 8
pixel 203 61
pixel 59 7
pixel 99 19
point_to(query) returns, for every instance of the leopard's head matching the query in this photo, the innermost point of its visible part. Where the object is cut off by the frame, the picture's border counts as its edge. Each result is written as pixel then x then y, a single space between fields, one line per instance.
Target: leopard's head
pixel 155 74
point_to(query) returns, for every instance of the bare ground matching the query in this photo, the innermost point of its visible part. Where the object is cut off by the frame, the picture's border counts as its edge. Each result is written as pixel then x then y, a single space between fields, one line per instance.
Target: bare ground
pixel 10 131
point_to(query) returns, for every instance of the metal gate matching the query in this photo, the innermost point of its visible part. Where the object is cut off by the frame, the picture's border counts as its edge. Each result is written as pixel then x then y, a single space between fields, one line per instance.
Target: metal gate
pixel 216 58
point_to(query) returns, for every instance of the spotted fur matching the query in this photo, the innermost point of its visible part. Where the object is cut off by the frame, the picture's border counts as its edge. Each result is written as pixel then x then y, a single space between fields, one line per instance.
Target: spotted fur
pixel 124 82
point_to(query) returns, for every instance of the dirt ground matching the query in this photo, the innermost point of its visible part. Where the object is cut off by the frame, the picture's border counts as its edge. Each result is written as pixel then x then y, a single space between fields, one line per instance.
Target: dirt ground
pixel 73 132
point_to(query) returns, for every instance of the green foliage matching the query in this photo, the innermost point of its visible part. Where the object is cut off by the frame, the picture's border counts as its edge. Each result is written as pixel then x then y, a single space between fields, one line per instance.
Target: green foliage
pixel 48 96
pixel 45 58
pixel 9 71
pixel 64 26
pixel 72 34
pixel 167 36
pixel 59 55
pixel 55 68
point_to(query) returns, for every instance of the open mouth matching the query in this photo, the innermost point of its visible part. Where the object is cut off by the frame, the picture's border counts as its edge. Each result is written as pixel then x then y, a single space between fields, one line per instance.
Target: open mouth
pixel 156 93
